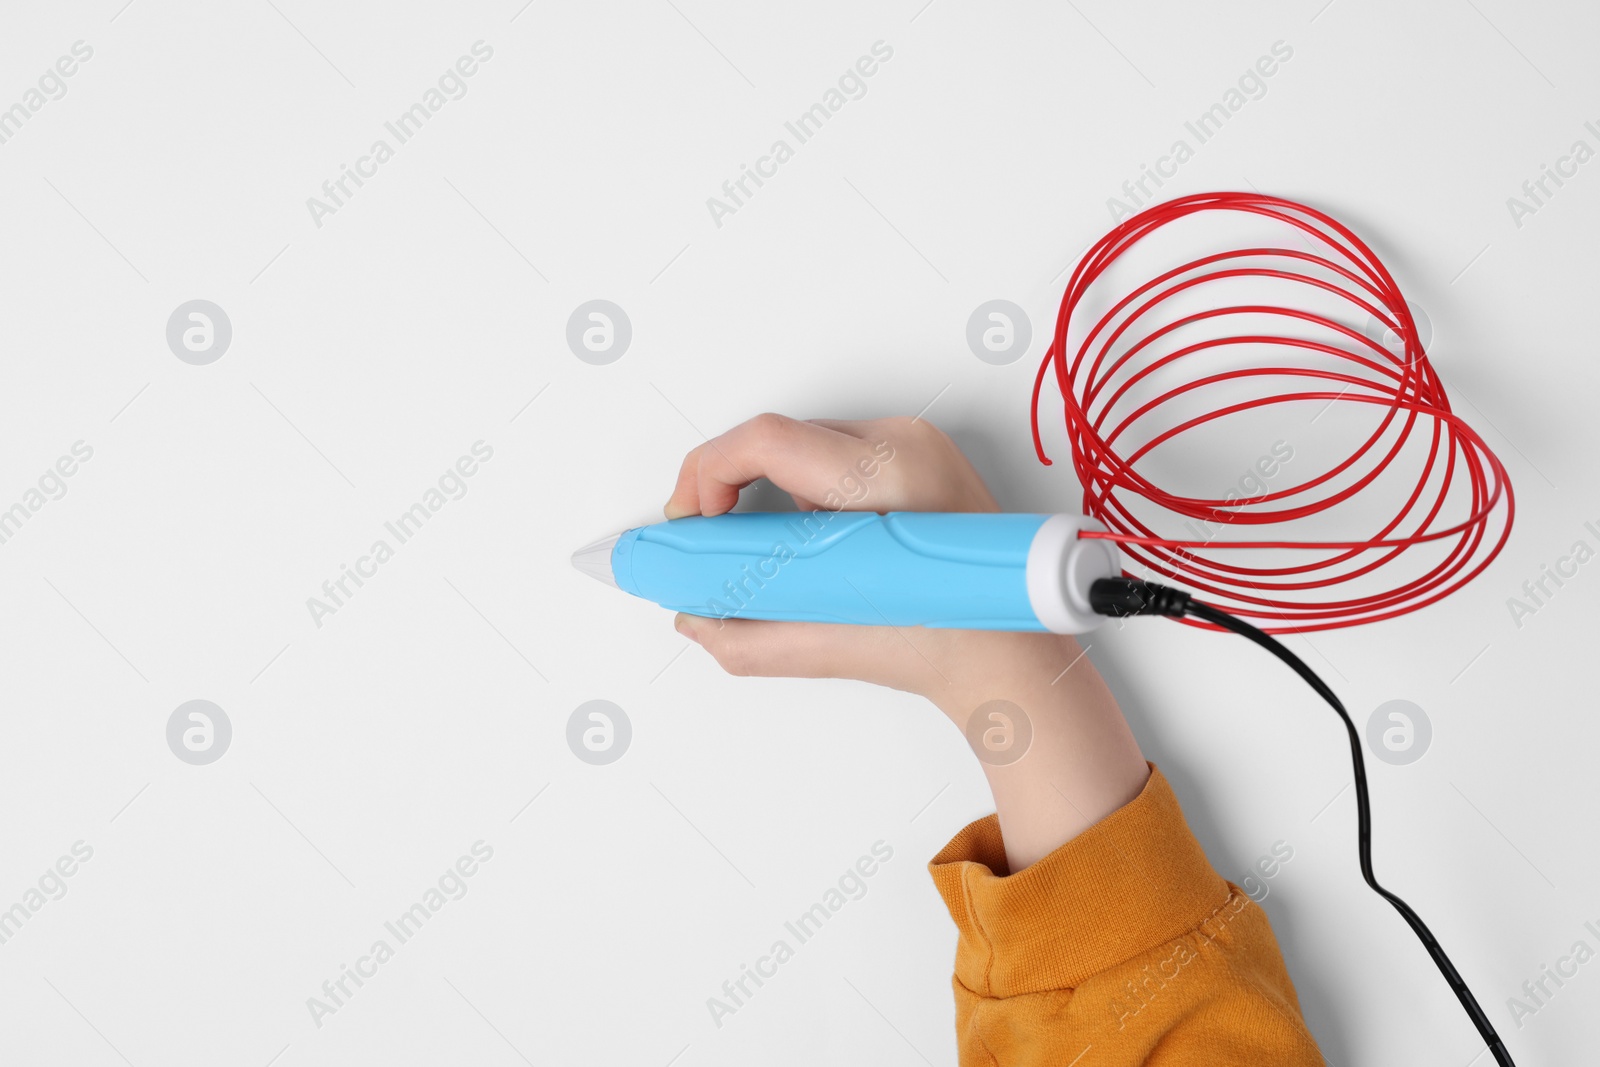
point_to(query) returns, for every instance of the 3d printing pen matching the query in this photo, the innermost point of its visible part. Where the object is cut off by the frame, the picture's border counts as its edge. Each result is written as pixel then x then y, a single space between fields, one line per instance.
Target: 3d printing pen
pixel 977 571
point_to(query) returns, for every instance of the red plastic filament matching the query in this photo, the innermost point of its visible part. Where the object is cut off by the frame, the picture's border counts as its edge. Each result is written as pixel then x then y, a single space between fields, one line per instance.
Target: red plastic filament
pixel 1127 375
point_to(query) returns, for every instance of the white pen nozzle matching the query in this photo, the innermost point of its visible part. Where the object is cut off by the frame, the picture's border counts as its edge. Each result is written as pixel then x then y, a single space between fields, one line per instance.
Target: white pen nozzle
pixel 595 560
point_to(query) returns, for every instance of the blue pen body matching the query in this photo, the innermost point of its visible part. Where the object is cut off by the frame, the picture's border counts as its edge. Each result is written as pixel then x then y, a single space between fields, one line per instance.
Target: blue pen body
pixel 968 571
pixel 900 569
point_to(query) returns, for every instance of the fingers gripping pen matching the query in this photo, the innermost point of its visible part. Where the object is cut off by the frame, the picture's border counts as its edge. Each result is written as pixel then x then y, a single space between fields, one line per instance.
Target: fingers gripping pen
pixel 969 571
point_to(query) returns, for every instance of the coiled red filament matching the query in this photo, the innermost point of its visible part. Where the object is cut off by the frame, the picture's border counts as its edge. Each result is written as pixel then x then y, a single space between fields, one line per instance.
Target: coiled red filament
pixel 1445 529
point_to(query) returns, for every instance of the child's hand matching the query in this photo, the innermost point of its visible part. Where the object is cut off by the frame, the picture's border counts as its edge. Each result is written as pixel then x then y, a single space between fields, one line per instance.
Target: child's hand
pixel 823 464
pixel 1081 762
pixel 914 466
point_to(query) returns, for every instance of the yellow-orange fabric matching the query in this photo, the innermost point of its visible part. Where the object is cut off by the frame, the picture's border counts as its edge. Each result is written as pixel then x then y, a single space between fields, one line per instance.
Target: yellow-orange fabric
pixel 1123 946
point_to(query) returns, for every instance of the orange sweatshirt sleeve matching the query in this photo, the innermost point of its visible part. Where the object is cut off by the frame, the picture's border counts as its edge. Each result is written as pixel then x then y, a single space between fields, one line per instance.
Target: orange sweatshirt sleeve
pixel 1123 946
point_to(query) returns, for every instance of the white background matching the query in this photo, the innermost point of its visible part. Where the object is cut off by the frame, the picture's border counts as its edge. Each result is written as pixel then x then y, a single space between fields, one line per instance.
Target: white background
pixel 372 351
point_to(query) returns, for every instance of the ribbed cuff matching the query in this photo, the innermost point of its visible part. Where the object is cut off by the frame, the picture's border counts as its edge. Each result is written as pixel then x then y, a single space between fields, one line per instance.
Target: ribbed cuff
pixel 1134 881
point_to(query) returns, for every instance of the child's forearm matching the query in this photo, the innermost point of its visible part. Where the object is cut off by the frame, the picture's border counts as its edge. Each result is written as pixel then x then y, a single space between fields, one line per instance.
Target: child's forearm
pixel 1090 919
pixel 1123 947
pixel 1083 903
pixel 1080 762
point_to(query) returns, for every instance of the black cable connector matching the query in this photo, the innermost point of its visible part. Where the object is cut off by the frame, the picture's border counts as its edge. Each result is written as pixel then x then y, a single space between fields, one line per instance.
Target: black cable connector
pixel 1121 597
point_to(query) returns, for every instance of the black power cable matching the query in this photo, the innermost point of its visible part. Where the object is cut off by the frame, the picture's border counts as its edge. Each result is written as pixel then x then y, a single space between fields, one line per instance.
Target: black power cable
pixel 1120 597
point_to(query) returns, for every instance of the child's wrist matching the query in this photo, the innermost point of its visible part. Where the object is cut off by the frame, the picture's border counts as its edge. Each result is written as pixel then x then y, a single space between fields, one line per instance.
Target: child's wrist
pixel 1015 667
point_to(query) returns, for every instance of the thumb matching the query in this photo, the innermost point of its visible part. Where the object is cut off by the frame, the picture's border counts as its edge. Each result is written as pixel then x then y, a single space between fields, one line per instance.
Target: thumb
pixel 759 648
